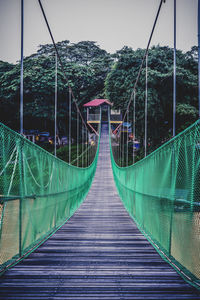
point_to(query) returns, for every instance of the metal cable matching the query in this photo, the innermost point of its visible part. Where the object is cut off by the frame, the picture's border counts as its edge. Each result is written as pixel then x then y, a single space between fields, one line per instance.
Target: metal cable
pixel 77 133
pixel 146 109
pixel 61 64
pixel 70 111
pixel 127 140
pixel 199 55
pixel 22 68
pixel 174 74
pixel 134 99
pixel 145 54
pixel 55 110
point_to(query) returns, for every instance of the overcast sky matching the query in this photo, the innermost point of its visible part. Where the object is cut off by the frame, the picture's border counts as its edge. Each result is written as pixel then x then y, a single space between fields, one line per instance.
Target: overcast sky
pixel 111 23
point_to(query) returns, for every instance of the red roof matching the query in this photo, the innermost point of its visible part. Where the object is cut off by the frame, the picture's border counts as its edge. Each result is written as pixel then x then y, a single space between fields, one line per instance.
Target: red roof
pixel 97 102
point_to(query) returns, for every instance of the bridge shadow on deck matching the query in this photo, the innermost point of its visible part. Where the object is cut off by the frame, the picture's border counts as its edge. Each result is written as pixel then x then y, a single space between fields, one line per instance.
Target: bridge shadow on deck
pixel 98 254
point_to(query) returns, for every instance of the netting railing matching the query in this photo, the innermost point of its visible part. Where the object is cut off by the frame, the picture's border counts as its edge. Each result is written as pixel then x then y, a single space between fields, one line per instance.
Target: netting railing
pixel 162 194
pixel 38 193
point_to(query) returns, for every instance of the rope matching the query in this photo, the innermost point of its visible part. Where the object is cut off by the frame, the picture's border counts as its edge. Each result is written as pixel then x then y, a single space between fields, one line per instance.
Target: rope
pixel 39 185
pixel 2 171
pixel 13 173
pixel 81 154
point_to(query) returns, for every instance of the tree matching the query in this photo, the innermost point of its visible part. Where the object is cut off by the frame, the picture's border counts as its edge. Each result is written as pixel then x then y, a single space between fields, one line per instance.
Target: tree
pixel 120 82
pixel 86 67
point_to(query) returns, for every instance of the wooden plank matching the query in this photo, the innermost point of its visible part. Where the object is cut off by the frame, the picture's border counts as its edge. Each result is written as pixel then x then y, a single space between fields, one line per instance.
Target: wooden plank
pixel 98 254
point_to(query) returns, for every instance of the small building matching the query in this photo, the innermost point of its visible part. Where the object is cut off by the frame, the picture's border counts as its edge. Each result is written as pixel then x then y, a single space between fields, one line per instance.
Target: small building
pixel 102 107
pixel 97 110
pixel 97 107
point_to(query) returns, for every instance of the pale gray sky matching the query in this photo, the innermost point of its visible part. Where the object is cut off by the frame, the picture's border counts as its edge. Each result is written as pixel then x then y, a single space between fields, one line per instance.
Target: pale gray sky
pixel 112 23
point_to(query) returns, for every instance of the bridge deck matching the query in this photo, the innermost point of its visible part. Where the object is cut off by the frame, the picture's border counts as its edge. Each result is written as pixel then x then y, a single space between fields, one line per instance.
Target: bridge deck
pixel 98 254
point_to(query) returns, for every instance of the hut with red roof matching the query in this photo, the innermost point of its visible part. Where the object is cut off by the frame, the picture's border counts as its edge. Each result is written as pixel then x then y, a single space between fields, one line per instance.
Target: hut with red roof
pixel 97 108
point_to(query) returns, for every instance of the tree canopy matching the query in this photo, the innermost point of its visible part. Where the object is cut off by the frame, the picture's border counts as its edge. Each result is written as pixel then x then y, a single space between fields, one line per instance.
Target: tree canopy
pixel 120 82
pixel 86 66
pixel 94 73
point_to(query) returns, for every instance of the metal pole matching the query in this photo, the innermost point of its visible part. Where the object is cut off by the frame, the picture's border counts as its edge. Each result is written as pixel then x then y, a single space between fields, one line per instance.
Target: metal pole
pixel 21 128
pixel 77 153
pixel 146 109
pixel 82 144
pixel 134 98
pixel 127 139
pixel 70 111
pixel 89 149
pixel 123 146
pixel 55 117
pixel 199 50
pixel 174 77
pixel 86 147
pixel 120 147
pixel 22 67
pixel 118 138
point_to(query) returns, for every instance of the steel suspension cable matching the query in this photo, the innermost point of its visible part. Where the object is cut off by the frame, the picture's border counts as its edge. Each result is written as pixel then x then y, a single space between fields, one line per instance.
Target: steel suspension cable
pixel 127 139
pixel 61 64
pixel 119 137
pixel 123 147
pixel 146 109
pixel 174 74
pixel 134 119
pixel 86 149
pixel 82 143
pixel 55 110
pixel 143 59
pixel 87 146
pixel 77 137
pixel 119 152
pixel 22 68
pixel 70 112
pixel 199 54
pixel 85 136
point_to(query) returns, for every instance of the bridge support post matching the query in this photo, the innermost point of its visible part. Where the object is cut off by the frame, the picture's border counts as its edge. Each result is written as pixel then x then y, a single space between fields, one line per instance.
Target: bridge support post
pixel 146 108
pixel 77 136
pixel 134 119
pixel 20 162
pixel 55 110
pixel 21 192
pixel 70 112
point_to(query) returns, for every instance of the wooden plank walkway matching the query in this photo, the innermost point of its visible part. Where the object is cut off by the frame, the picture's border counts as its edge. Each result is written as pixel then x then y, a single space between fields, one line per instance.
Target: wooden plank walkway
pixel 98 254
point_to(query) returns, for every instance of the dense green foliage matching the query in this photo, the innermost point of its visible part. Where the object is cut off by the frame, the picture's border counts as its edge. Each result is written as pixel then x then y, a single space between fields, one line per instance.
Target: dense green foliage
pixel 86 66
pixel 92 72
pixel 120 81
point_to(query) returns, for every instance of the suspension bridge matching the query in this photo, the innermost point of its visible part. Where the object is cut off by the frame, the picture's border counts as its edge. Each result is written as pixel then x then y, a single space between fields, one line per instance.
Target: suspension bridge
pixel 94 229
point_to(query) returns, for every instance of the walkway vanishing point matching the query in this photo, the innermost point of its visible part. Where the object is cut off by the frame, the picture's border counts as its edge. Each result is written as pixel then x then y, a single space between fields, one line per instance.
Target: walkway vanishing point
pixel 98 254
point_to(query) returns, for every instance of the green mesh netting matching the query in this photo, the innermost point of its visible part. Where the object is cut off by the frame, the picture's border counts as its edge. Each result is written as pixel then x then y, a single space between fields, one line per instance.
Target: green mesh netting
pixel 38 192
pixel 162 194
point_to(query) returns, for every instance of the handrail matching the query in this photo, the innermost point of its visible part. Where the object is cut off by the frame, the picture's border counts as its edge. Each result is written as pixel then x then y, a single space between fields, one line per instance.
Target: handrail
pixel 38 192
pixel 162 194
